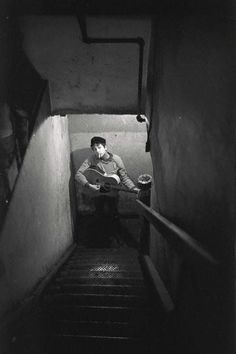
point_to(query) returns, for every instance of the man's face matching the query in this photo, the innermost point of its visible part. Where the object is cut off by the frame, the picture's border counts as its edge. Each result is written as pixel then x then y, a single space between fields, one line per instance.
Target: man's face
pixel 99 150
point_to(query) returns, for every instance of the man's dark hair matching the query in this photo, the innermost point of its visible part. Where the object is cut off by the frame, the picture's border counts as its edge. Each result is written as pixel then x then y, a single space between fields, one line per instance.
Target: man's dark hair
pixel 98 140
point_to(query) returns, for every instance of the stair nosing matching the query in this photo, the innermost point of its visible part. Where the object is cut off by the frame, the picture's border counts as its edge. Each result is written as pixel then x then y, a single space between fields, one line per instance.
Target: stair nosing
pixel 97 337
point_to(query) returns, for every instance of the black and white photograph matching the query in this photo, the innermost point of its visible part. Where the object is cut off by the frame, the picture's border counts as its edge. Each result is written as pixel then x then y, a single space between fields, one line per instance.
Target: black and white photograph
pixel 117 176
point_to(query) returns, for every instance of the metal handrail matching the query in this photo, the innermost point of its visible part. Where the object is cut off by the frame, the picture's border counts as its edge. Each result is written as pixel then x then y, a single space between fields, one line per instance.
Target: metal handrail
pixel 189 246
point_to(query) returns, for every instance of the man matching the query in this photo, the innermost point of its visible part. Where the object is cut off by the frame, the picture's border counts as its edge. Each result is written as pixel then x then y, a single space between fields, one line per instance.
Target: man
pixel 108 164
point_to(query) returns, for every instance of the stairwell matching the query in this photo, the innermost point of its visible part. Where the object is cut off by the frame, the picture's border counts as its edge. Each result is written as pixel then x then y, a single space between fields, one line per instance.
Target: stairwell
pixel 98 302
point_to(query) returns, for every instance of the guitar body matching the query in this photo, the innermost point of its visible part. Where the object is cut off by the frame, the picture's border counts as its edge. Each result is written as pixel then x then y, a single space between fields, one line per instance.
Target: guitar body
pixel 109 184
pixel 95 177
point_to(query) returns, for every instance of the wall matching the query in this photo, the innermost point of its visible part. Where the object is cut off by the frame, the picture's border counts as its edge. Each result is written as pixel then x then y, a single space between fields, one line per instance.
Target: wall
pixel 5 50
pixel 191 105
pixel 38 226
pixel 94 78
pixel 125 137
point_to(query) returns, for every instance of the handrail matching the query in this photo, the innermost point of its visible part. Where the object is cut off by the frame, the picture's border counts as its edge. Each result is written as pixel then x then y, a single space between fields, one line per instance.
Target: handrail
pixel 176 235
pixel 158 284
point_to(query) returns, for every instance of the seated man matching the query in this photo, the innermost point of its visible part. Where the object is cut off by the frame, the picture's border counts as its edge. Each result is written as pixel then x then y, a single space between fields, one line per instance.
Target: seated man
pixel 108 164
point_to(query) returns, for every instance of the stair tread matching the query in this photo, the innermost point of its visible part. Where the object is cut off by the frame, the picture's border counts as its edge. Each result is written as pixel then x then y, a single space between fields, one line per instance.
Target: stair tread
pixel 100 274
pixel 105 250
pixel 141 309
pixel 96 300
pixel 69 295
pixel 96 337
pixel 99 266
pixel 104 289
pixel 107 328
pixel 103 344
pixel 95 280
pixel 110 323
pixel 97 287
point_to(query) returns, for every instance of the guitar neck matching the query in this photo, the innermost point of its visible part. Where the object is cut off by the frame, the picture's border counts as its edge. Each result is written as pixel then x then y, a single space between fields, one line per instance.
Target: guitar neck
pixel 122 189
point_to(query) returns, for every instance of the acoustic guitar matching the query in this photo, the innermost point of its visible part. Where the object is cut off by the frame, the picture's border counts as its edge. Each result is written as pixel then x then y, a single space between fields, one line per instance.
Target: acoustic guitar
pixel 107 182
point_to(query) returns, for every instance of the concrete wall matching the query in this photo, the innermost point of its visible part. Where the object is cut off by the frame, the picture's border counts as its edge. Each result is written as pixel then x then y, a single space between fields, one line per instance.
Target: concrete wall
pixel 94 78
pixel 191 105
pixel 38 226
pixel 125 137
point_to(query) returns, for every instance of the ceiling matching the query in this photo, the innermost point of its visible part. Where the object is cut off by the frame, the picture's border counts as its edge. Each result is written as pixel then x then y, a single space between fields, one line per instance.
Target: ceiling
pixel 92 7
pixel 115 7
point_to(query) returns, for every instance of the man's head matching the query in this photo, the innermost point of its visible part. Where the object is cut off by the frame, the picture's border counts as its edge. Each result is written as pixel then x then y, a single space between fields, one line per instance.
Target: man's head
pixel 98 145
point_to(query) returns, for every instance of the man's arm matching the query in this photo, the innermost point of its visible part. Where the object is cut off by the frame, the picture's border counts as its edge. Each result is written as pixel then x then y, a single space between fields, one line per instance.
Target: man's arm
pixel 81 179
pixel 122 173
pixel 79 176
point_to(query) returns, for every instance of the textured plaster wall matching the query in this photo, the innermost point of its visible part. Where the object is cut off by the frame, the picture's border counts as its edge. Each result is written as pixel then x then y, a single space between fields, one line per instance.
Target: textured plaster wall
pixel 193 126
pixel 87 78
pixel 38 224
pixel 125 137
pixel 191 104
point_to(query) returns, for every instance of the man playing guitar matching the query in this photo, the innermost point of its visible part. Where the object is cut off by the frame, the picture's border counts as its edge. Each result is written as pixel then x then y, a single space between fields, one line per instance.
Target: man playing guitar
pixel 106 164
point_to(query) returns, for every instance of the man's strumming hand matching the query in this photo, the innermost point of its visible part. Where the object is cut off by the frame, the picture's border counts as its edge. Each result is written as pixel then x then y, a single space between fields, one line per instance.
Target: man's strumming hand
pixel 93 187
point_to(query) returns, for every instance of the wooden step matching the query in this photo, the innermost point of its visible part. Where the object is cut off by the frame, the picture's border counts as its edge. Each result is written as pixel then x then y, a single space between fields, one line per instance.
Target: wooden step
pixel 98 328
pixel 93 272
pixel 97 289
pixel 78 344
pixel 105 259
pixel 102 267
pixel 109 251
pixel 95 300
pixel 75 344
pixel 97 313
pixel 99 281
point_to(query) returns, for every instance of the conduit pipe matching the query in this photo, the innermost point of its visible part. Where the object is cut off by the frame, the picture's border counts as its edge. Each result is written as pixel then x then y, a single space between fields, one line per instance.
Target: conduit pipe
pixel 81 17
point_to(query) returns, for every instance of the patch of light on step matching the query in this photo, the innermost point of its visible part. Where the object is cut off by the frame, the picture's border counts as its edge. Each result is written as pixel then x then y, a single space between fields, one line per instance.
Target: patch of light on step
pixel 105 267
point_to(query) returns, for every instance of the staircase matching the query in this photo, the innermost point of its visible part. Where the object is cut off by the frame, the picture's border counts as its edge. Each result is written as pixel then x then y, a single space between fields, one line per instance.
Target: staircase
pixel 96 303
